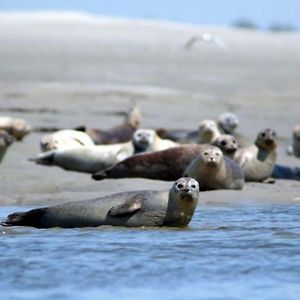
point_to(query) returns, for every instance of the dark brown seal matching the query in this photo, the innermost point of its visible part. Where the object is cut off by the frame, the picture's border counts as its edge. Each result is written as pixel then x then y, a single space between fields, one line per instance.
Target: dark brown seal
pixel 161 165
pixel 119 134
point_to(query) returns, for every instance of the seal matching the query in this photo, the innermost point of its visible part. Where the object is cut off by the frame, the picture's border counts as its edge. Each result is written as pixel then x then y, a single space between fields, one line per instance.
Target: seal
pixel 119 134
pixel 230 148
pixel 258 160
pixel 18 128
pixel 87 159
pixel 296 141
pixel 65 139
pixel 213 171
pixel 174 207
pixel 228 122
pixel 166 164
pixel 228 144
pixel 146 140
pixel 208 132
pixel 5 141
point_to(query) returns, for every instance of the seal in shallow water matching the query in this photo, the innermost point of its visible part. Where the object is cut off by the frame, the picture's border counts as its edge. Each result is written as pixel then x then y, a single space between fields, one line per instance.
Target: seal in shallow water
pixel 173 207
pixel 213 171
pixel 5 141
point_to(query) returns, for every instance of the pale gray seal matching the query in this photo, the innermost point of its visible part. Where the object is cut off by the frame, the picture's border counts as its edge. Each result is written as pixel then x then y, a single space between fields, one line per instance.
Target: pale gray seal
pixel 258 160
pixel 65 139
pixel 5 141
pixel 208 132
pixel 228 122
pixel 213 171
pixel 18 128
pixel 167 164
pixel 174 207
pixel 228 144
pixel 119 134
pixel 296 141
pixel 146 140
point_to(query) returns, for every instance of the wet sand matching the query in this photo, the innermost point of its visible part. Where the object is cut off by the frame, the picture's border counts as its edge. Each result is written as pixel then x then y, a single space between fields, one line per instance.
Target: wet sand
pixel 65 70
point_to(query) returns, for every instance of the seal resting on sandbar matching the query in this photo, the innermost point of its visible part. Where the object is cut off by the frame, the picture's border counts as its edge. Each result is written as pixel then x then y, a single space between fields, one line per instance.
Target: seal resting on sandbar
pixel 213 171
pixel 258 160
pixel 119 134
pixel 167 164
pixel 208 132
pixel 65 139
pixel 18 128
pixel 5 141
pixel 296 141
pixel 228 122
pixel 174 207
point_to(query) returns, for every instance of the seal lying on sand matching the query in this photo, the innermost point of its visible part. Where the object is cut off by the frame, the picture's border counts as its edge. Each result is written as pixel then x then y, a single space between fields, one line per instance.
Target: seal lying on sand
pixel 18 128
pixel 214 171
pixel 296 141
pixel 65 139
pixel 132 209
pixel 118 134
pixel 258 160
pixel 5 141
pixel 161 165
pixel 94 158
pixel 228 122
pixel 229 146
pixel 208 132
pixel 146 140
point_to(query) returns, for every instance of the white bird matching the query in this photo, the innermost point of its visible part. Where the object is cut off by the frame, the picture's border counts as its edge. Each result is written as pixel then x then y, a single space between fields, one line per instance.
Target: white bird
pixel 206 37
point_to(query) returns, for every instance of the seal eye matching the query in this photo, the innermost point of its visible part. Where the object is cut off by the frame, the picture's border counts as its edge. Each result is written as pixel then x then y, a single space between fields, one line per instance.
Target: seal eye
pixel 234 141
pixel 205 153
pixel 217 153
pixel 180 186
pixel 263 134
pixel 193 186
pixel 223 143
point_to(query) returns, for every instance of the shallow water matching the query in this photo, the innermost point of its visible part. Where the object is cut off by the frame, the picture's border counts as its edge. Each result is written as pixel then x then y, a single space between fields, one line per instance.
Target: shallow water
pixel 227 252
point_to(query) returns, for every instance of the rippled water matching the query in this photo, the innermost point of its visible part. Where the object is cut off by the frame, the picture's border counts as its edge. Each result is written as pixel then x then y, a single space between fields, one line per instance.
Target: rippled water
pixel 228 252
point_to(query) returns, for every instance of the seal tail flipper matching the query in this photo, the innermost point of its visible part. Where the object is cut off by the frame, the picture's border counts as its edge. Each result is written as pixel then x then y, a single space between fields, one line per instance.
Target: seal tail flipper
pixel 45 158
pixel 30 218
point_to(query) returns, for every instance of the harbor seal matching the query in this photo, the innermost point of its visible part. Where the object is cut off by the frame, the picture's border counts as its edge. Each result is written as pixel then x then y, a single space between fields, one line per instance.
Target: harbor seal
pixel 178 135
pixel 119 134
pixel 167 164
pixel 296 141
pixel 65 139
pixel 174 207
pixel 228 144
pixel 87 159
pixel 228 122
pixel 258 160
pixel 5 141
pixel 208 132
pixel 213 171
pixel 146 140
pixel 18 128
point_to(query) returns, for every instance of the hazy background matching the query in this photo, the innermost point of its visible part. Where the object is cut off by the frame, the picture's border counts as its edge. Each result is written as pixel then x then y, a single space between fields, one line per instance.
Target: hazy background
pixel 263 14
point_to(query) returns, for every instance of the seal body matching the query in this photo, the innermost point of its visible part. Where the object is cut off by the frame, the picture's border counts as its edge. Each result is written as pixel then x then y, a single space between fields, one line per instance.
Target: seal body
pixel 296 141
pixel 214 171
pixel 18 128
pixel 65 139
pixel 258 160
pixel 137 208
pixel 167 164
pixel 5 141
pixel 208 132
pixel 119 134
pixel 86 159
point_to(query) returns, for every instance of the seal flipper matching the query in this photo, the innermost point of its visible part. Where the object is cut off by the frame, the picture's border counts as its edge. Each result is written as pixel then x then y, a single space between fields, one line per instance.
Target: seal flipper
pixel 130 207
pixel 45 158
pixel 30 218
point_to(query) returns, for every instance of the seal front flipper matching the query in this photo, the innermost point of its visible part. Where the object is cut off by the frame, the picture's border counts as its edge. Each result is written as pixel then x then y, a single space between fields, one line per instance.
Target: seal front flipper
pixel 45 158
pixel 129 207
